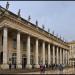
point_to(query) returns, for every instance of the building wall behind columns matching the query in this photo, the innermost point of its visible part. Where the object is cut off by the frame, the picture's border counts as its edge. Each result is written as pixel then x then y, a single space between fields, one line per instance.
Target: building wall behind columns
pixel 23 42
pixel 34 55
pixel 33 52
pixel 21 48
pixel 10 42
pixel 59 55
pixel 9 47
pixel 40 53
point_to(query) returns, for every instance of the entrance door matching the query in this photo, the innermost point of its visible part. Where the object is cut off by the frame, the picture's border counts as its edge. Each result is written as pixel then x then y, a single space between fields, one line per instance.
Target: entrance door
pixel 24 61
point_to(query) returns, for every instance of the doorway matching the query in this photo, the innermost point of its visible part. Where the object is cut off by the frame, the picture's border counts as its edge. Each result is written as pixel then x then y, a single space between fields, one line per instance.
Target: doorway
pixel 14 60
pixel 24 62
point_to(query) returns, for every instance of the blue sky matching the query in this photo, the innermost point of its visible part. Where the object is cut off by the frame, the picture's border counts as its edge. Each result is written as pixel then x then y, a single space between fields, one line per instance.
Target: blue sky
pixel 59 16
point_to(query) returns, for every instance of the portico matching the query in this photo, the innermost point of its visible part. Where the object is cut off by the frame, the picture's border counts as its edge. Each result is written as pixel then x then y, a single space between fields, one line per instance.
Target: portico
pixel 28 45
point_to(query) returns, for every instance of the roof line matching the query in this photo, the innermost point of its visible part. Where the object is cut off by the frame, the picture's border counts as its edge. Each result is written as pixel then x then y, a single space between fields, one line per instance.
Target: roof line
pixel 29 22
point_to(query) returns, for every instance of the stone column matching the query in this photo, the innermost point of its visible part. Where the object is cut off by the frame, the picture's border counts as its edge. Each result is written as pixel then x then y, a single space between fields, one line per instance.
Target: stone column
pixel 57 55
pixel 63 56
pixel 36 54
pixel 5 50
pixel 19 65
pixel 66 57
pixel 49 55
pixel 28 53
pixel 53 54
pixel 60 56
pixel 43 52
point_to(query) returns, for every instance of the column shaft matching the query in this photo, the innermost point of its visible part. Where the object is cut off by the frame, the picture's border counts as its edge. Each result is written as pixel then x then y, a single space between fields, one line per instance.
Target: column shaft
pixel 36 54
pixel 49 55
pixel 60 56
pixel 63 56
pixel 5 51
pixel 66 57
pixel 53 54
pixel 43 51
pixel 28 53
pixel 18 51
pixel 57 56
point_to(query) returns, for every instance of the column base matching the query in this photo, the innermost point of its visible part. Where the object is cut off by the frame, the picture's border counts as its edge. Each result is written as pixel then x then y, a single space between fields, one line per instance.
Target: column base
pixel 4 66
pixel 19 66
pixel 29 66
pixel 37 66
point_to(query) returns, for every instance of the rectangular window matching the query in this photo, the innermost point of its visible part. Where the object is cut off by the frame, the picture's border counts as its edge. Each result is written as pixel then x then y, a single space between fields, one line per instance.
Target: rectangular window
pixel 14 43
pixel 24 46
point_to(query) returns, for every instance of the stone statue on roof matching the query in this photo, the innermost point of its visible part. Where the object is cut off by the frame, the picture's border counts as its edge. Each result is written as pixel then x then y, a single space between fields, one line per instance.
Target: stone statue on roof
pixel 7 5
pixel 57 35
pixel 63 38
pixel 60 36
pixel 48 30
pixel 43 26
pixel 53 32
pixel 19 13
pixel 29 18
pixel 36 23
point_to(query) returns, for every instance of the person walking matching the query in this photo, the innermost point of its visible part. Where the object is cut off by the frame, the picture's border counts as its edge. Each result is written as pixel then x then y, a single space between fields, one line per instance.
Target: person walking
pixel 61 69
pixel 41 68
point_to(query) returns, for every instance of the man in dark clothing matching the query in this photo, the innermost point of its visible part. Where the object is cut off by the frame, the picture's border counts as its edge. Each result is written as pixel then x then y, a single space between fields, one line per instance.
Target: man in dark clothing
pixel 41 68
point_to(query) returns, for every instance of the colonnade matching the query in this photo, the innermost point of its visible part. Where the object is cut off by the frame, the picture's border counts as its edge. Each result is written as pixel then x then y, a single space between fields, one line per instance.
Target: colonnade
pixel 61 53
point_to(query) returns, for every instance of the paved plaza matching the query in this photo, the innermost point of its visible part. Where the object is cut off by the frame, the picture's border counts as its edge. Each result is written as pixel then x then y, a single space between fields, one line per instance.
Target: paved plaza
pixel 20 72
pixel 65 71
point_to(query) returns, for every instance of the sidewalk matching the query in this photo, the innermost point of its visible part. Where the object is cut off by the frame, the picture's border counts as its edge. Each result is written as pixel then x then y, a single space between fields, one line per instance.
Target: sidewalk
pixel 65 71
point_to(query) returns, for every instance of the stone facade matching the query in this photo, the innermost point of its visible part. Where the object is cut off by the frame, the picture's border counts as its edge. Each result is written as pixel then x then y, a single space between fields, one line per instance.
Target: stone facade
pixel 24 45
pixel 72 53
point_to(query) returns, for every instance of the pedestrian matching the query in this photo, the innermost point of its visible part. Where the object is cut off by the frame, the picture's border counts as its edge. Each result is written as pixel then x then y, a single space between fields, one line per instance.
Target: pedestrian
pixel 61 68
pixel 10 66
pixel 46 65
pixel 41 68
pixel 15 66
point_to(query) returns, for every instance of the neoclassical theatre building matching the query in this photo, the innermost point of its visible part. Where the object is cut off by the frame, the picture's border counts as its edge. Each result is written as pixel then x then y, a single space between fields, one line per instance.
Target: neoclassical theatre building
pixel 24 44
